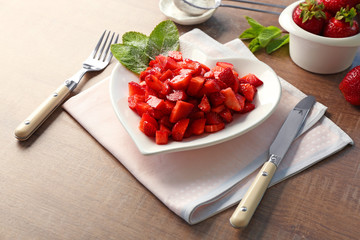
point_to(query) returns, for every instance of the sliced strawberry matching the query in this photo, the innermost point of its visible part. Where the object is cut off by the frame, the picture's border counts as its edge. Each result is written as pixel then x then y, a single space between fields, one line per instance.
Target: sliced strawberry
pixel 195 84
pixel 252 79
pixel 225 65
pixel 143 107
pixel 227 76
pixel 177 95
pixel 226 115
pixel 218 109
pixel 214 127
pixel 176 55
pixel 164 121
pixel 196 115
pixel 146 117
pixel 134 100
pixel 179 129
pixel 213 118
pixel 248 107
pixel 156 103
pixel 153 82
pixel 148 128
pixel 180 82
pixel 205 104
pixel 169 105
pixel 162 127
pixel 197 127
pixel 135 88
pixel 161 137
pixel 166 75
pixel 248 91
pixel 241 99
pixel 209 74
pixel 230 99
pixel 216 99
pixel 180 111
pixel 217 70
pixel 210 86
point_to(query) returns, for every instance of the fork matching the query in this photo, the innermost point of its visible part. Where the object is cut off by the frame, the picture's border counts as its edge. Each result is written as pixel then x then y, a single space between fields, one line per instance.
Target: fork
pixel 97 61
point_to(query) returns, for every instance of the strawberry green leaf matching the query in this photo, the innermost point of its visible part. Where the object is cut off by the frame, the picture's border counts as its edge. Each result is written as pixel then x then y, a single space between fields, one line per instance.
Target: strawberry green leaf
pixel 256 26
pixel 277 43
pixel 249 34
pixel 254 45
pixel 164 38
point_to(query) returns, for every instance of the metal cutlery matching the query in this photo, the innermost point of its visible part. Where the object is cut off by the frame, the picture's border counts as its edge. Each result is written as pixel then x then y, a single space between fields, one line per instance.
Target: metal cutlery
pixel 97 61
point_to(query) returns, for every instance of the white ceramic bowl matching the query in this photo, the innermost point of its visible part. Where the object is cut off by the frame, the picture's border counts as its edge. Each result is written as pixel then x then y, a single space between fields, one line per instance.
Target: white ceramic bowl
pixel 316 53
pixel 266 100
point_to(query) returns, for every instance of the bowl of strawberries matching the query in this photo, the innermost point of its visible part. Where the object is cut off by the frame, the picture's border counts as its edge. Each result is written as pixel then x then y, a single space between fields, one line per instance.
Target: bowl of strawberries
pixel 324 34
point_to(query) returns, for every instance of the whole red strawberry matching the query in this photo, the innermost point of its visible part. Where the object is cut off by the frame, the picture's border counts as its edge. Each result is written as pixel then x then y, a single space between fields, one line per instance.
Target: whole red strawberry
pixel 335 5
pixel 342 25
pixel 350 86
pixel 310 16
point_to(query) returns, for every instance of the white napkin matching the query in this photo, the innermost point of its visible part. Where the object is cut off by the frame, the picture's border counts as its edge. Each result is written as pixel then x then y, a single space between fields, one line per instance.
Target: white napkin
pixel 197 184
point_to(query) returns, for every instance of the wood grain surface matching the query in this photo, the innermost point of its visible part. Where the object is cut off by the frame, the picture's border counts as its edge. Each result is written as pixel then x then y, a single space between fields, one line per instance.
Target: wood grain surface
pixel 62 184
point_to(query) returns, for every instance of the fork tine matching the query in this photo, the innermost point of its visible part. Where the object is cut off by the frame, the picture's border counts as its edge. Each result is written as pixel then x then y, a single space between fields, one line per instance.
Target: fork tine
pixel 97 45
pixel 103 46
pixel 110 54
pixel 108 47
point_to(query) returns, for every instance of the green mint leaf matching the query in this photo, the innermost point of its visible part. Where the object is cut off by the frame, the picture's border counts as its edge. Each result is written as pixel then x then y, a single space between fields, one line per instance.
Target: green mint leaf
pixel 249 34
pixel 254 45
pixel 133 58
pixel 135 39
pixel 268 34
pixel 257 27
pixel 277 43
pixel 164 38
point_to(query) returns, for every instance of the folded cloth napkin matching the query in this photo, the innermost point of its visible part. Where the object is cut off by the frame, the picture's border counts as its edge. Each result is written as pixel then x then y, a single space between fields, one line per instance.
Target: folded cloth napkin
pixel 197 184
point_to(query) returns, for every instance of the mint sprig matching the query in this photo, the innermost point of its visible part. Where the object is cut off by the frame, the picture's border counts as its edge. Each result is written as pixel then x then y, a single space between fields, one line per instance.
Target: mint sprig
pixel 271 38
pixel 137 49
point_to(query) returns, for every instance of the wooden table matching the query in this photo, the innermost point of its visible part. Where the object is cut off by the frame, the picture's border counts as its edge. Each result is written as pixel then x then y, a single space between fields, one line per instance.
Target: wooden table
pixel 62 184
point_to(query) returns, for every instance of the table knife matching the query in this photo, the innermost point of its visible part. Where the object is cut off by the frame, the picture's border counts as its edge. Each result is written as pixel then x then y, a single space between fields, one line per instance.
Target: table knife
pixel 288 132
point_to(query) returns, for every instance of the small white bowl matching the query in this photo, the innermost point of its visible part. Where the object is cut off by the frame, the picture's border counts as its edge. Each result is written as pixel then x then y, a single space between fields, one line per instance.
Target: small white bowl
pixel 316 53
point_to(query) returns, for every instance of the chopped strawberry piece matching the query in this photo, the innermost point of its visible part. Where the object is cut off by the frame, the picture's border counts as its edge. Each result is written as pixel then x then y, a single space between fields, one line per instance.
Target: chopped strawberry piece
pixel 165 128
pixel 148 118
pixel 213 118
pixel 218 109
pixel 180 82
pixel 180 111
pixel 135 88
pixel 214 127
pixel 216 99
pixel 225 65
pixel 134 100
pixel 164 121
pixel 236 85
pixel 169 105
pixel 211 86
pixel 252 79
pixel 217 70
pixel 248 107
pixel 153 82
pixel 143 107
pixel 177 95
pixel 230 99
pixel 195 84
pixel 227 77
pixel 248 91
pixel 179 129
pixel 196 115
pixel 197 127
pixel 241 100
pixel 166 75
pixel 204 104
pixel 156 103
pixel 176 55
pixel 209 74
pixel 226 115
pixel 161 137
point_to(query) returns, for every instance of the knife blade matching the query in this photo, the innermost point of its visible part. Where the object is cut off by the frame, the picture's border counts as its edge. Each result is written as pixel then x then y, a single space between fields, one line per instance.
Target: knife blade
pixel 282 142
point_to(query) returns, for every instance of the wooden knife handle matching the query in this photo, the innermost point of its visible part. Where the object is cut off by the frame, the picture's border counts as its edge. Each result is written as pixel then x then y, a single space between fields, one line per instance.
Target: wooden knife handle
pixel 247 206
pixel 37 117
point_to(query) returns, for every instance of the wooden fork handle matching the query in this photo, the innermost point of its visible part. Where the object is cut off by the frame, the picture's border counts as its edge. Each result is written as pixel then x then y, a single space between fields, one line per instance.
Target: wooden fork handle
pixel 37 117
